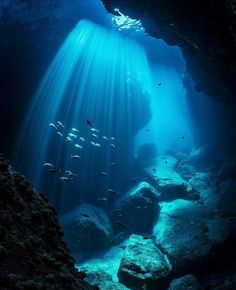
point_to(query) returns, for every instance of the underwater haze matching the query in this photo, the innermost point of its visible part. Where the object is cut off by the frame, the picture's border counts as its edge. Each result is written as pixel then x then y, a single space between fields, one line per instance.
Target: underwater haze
pixel 127 150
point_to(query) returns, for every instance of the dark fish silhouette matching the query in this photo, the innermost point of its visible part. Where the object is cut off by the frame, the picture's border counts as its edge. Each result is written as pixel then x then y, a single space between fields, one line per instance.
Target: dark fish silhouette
pixel 84 215
pixel 159 84
pixel 89 123
pixel 54 170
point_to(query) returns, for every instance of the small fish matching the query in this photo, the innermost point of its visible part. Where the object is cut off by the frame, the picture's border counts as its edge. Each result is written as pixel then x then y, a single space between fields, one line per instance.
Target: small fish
pixel 84 214
pixel 78 146
pixel 154 169
pixel 138 207
pixel 68 139
pixel 112 163
pixel 60 134
pixel 46 164
pixel 89 123
pixel 82 139
pixel 74 156
pixel 54 170
pixel 94 130
pixel 69 173
pixel 72 135
pixel 183 137
pixel 64 178
pixel 102 198
pixel 94 135
pixel 53 125
pixel 112 138
pixel 104 137
pixel 145 178
pixel 113 145
pixel 75 130
pixel 111 191
pixel 147 130
pixel 60 124
pixel 103 173
pixel 92 143
pixel 159 84
pixel 121 224
pixel 166 162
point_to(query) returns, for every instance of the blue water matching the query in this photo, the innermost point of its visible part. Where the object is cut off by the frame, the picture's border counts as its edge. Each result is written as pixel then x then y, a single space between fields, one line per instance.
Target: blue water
pixel 97 75
pixel 131 87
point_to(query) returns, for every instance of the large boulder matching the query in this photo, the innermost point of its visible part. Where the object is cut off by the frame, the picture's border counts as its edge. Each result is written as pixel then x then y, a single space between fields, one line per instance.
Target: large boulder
pixel 188 282
pixel 170 183
pixel 143 264
pixel 186 231
pixel 136 211
pixel 86 228
pixel 104 281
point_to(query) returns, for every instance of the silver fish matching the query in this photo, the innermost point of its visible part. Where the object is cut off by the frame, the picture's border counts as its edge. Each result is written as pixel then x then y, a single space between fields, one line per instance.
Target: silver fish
pixel 72 135
pixel 75 157
pixel 78 146
pixel 60 124
pixel 46 164
pixel 53 125
pixel 68 139
pixel 60 134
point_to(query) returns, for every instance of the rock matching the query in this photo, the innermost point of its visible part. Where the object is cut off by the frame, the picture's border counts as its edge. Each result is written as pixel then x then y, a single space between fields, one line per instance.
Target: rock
pixel 227 172
pixel 143 264
pixel 226 201
pixel 204 157
pixel 137 209
pixel 188 282
pixel 104 281
pixel 170 183
pixel 86 228
pixel 31 248
pixel 201 181
pixel 186 231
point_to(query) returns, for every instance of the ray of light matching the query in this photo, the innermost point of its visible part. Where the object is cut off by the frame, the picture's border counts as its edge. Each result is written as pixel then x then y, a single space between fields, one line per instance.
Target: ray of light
pixel 97 75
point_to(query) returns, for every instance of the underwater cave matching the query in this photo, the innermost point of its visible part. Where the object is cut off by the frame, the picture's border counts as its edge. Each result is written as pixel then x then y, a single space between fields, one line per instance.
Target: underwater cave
pixel 118 137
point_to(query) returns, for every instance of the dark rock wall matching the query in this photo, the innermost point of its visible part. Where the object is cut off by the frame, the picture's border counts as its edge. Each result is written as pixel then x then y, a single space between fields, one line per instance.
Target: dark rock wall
pixel 205 30
pixel 32 252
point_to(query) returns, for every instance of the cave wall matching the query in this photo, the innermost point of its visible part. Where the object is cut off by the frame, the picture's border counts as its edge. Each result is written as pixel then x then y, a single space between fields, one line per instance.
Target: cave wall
pixel 205 30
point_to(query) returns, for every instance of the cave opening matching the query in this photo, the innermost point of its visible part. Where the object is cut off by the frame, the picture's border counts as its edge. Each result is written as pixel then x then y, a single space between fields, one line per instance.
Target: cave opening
pixel 138 160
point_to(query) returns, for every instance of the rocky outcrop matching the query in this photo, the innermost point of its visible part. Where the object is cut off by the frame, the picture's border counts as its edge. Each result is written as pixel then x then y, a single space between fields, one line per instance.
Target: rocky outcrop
pixel 137 209
pixel 188 282
pixel 186 231
pixel 143 264
pixel 32 252
pixel 204 30
pixel 104 281
pixel 86 228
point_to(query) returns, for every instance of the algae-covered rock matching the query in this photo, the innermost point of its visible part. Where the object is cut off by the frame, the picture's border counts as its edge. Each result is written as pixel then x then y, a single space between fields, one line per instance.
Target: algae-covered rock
pixel 186 231
pixel 137 209
pixel 188 282
pixel 87 228
pixel 143 263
